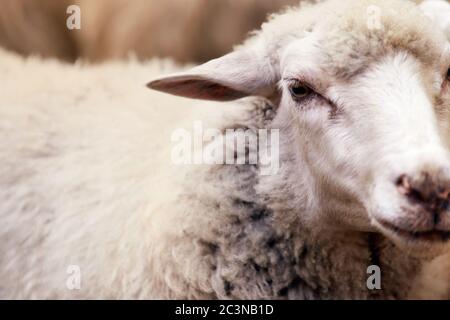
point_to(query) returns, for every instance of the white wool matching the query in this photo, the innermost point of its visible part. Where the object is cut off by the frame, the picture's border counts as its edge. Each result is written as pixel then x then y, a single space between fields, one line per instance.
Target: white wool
pixel 86 175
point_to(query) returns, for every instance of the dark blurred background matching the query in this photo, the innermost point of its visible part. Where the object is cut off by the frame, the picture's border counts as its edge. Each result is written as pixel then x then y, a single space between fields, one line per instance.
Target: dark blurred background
pixel 186 30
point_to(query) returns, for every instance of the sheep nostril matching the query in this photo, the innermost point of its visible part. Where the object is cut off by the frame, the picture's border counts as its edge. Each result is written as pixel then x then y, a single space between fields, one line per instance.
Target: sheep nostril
pixel 425 191
pixel 407 187
pixel 403 184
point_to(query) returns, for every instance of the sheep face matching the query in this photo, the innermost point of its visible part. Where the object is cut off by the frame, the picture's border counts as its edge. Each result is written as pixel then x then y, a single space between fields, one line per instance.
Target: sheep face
pixel 362 107
pixel 374 132
pixel 403 120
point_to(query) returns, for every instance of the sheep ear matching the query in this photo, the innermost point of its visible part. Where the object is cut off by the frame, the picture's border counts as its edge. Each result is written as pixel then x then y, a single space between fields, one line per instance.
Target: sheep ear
pixel 233 76
pixel 439 12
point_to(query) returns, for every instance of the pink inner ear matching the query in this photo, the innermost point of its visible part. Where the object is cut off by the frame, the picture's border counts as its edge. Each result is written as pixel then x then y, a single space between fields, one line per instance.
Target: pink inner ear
pixel 197 88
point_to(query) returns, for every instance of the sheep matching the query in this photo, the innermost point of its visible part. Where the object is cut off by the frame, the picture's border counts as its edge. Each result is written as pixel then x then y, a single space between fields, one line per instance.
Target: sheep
pixel 196 30
pixel 93 206
pixel 36 27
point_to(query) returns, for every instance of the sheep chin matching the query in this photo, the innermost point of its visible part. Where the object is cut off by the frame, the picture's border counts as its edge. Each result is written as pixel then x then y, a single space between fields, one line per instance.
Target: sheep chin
pixel 418 245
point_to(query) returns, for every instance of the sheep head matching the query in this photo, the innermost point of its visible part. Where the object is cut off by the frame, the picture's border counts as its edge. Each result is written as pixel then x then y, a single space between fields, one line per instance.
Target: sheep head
pixel 364 88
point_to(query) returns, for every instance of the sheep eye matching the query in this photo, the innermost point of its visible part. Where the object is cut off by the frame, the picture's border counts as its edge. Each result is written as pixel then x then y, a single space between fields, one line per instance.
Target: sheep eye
pixel 300 91
pixel 448 74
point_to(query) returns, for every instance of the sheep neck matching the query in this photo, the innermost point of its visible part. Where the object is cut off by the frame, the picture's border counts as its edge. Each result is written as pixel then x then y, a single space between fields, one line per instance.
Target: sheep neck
pixel 295 250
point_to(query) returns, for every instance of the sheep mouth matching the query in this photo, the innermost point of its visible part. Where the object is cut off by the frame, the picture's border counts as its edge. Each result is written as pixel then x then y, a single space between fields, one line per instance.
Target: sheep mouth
pixel 433 235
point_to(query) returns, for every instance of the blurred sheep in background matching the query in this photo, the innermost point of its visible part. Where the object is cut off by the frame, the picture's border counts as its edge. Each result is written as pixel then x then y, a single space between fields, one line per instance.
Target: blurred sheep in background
pixel 194 30
pixel 36 27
